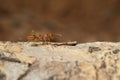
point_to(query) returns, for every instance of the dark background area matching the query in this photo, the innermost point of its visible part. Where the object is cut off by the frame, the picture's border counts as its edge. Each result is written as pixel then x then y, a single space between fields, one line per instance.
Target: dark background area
pixel 80 20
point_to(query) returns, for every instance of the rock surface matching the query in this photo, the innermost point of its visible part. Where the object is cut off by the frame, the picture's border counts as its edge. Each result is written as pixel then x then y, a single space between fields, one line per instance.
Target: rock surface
pixel 86 61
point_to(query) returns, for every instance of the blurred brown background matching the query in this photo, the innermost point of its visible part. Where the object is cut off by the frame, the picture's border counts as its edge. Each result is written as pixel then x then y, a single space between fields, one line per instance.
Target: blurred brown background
pixel 81 20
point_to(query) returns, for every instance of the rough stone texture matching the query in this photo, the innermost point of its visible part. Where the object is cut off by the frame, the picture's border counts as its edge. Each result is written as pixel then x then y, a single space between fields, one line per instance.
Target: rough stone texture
pixel 86 61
